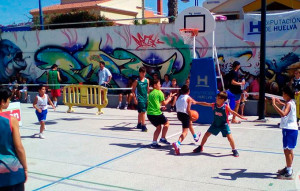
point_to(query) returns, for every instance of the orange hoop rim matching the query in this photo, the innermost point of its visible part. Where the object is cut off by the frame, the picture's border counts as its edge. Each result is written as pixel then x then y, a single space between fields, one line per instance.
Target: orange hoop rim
pixel 193 31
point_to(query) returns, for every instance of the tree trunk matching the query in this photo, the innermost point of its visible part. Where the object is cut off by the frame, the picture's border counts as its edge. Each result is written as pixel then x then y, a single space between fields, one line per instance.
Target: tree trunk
pixel 172 10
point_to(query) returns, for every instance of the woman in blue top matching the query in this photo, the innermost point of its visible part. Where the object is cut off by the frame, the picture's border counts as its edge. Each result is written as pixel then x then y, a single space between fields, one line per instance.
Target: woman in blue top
pixel 13 166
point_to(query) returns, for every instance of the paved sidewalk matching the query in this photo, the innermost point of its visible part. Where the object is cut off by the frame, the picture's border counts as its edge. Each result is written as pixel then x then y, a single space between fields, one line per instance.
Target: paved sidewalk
pixel 83 151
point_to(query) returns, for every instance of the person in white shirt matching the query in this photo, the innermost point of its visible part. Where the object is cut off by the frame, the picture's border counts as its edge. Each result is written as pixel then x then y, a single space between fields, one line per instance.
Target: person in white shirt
pixel 289 127
pixel 41 105
pixel 104 77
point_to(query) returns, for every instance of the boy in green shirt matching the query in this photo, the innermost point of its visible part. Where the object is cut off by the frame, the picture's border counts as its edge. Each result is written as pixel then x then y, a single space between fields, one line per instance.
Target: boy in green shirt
pixel 154 114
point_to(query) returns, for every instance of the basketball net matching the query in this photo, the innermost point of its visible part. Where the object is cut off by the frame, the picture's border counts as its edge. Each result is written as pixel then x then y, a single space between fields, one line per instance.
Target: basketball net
pixel 188 35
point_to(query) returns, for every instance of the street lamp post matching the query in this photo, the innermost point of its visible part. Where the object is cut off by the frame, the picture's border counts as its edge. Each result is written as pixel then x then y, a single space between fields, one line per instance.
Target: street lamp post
pixel 41 15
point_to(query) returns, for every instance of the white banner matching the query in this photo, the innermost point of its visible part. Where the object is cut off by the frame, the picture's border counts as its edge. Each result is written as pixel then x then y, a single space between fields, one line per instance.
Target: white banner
pixel 14 109
pixel 279 26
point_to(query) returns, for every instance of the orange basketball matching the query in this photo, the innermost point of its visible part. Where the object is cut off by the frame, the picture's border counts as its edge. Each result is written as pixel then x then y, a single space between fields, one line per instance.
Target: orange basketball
pixel 194 115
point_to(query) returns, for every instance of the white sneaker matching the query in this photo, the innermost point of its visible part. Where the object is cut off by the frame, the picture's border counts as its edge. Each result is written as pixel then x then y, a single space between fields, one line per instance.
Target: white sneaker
pixel 118 106
pixel 36 135
pixel 42 136
pixel 125 106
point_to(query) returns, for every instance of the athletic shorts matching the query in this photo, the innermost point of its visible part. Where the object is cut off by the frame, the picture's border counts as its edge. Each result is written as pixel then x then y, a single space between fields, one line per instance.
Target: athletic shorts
pixel 237 97
pixel 184 118
pixel 17 187
pixel 289 138
pixel 41 116
pixel 142 107
pixel 225 130
pixel 55 93
pixel 157 120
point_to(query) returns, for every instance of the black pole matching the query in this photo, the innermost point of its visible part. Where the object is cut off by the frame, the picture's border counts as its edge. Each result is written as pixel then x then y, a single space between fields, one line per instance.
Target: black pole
pixel 41 15
pixel 261 102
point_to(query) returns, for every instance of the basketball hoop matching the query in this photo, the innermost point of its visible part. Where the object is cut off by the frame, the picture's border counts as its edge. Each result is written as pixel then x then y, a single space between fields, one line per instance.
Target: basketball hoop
pixel 188 34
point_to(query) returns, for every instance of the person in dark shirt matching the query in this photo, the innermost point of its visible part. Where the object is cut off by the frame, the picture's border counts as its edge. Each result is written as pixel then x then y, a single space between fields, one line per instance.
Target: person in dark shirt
pixel 235 87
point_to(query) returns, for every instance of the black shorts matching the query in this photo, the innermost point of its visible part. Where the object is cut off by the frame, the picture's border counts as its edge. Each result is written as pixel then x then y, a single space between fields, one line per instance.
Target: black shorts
pixel 126 92
pixel 157 120
pixel 184 118
pixel 17 187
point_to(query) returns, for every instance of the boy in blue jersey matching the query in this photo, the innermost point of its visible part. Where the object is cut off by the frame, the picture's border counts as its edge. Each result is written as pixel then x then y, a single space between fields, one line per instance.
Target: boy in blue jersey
pixel 220 123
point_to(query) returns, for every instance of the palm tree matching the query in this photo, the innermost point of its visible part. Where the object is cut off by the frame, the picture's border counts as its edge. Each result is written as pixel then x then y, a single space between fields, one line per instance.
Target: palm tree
pixel 172 10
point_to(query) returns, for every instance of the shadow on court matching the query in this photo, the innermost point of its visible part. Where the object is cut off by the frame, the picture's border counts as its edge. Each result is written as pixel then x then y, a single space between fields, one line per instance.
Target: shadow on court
pixel 123 126
pixel 268 126
pixel 241 173
pixel 47 123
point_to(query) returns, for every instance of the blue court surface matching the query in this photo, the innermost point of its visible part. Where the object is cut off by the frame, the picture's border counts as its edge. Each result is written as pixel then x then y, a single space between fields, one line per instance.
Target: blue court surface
pixel 83 151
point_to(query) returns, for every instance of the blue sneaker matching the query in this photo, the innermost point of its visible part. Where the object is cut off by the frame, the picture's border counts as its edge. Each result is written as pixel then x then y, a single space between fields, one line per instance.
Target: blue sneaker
pixel 139 126
pixel 155 146
pixel 235 153
pixel 162 140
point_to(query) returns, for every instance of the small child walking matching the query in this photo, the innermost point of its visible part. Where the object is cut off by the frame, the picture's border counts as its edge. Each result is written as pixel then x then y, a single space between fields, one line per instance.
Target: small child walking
pixel 41 104
pixel 289 127
pixel 183 108
pixel 220 123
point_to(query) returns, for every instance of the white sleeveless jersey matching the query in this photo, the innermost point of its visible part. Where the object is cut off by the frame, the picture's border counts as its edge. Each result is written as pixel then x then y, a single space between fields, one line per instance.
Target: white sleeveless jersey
pixel 290 120
pixel 42 103
pixel 181 103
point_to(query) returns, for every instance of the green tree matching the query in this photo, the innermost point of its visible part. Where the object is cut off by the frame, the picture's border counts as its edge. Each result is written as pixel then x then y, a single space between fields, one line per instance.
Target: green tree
pixel 172 10
pixel 79 17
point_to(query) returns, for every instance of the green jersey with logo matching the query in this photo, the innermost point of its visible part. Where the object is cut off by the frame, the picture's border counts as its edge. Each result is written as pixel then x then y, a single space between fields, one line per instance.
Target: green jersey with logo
pixel 142 90
pixel 220 115
pixel 53 79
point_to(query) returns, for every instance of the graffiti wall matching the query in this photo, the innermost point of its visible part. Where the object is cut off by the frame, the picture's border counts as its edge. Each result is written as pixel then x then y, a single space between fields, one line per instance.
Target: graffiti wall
pixel 124 49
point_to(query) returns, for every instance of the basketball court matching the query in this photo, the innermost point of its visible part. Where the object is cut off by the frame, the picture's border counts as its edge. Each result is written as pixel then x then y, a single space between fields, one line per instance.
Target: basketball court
pixel 83 151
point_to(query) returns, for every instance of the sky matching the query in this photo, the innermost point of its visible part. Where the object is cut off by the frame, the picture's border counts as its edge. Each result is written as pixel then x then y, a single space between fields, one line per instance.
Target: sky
pixel 17 11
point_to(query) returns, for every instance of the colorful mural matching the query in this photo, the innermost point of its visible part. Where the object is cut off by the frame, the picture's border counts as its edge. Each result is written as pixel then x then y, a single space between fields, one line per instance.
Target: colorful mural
pixel 125 49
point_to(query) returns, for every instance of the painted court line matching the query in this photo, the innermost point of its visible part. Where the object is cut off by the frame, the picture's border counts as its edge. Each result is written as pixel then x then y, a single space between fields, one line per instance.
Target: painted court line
pixel 83 181
pixel 250 150
pixel 85 134
pixel 88 169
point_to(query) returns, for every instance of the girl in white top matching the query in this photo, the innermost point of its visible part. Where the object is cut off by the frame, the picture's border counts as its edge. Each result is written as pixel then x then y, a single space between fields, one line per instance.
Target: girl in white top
pixel 41 104
pixel 183 108
pixel 289 130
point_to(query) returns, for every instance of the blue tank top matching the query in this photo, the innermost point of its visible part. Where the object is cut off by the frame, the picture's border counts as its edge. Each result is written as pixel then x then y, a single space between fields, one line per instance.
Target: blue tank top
pixel 11 170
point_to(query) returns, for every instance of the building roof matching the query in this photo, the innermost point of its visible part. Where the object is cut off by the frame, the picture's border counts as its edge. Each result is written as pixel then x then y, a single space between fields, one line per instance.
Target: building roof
pixel 256 5
pixel 59 7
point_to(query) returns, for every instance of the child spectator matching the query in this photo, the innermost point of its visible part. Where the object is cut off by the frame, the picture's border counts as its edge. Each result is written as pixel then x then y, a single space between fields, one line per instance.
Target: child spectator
pixel 166 84
pixel 128 94
pixel 23 89
pixel 289 127
pixel 220 123
pixel 175 93
pixel 41 104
